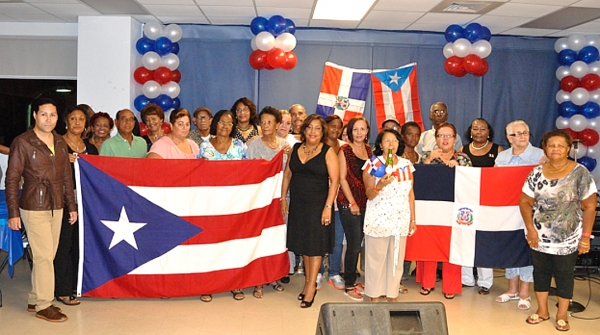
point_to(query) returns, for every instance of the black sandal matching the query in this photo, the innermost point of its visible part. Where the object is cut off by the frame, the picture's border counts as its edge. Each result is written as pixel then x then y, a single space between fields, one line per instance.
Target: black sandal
pixel 258 292
pixel 69 301
pixel 426 291
pixel 277 287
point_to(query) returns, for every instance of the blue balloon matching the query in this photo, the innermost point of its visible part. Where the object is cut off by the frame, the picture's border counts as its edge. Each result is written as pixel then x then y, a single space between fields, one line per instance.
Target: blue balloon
pixel 454 32
pixel 588 54
pixel 567 109
pixel 141 101
pixel 588 162
pixel 290 26
pixel 164 101
pixel 590 110
pixel 567 57
pixel 473 32
pixel 144 45
pixel 276 25
pixel 175 48
pixel 258 25
pixel 163 46
pixel 487 34
pixel 176 103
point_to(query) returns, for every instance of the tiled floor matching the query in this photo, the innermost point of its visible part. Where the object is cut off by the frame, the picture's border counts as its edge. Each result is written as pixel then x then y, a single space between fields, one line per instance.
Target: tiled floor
pixel 276 313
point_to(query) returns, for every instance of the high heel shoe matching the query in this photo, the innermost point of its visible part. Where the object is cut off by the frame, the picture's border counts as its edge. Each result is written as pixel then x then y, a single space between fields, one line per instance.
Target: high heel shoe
pixel 301 296
pixel 308 304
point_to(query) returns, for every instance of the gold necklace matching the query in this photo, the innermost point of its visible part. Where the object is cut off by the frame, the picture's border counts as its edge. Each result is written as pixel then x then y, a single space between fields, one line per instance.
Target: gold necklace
pixel 309 151
pixel 243 130
pixel 73 144
pixel 272 145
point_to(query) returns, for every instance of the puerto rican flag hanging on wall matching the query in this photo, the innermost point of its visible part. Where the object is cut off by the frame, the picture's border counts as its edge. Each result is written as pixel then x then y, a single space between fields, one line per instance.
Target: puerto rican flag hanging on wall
pixel 343 91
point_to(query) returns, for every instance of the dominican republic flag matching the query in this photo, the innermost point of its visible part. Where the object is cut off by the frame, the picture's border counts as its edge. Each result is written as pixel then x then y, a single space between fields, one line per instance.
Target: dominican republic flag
pixel 169 228
pixel 343 92
pixel 396 95
pixel 469 216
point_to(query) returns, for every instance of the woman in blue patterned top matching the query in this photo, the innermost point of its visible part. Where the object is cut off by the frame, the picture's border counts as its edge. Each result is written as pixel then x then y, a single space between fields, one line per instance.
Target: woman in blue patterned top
pixel 222 146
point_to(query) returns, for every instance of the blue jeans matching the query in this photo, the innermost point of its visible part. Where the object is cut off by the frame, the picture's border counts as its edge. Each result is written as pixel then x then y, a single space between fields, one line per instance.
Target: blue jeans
pixel 353 228
pixel 335 259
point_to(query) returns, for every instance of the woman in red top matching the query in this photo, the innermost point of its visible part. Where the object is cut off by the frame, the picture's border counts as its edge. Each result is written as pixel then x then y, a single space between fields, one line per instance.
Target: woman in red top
pixel 352 201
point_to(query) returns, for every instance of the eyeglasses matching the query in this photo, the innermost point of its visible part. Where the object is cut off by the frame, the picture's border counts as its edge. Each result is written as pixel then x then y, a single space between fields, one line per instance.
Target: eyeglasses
pixel 439 112
pixel 242 110
pixel 225 124
pixel 519 134
pixel 445 136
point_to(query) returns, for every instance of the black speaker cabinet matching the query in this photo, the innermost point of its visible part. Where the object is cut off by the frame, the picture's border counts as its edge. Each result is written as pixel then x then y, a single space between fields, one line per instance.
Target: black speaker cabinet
pixel 382 318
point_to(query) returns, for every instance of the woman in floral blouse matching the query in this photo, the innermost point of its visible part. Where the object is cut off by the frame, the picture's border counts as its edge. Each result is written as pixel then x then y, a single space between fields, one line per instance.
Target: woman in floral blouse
pixel 222 146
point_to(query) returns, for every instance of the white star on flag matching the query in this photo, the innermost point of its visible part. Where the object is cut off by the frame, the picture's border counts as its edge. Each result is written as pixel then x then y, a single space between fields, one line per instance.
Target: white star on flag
pixel 123 229
pixel 394 79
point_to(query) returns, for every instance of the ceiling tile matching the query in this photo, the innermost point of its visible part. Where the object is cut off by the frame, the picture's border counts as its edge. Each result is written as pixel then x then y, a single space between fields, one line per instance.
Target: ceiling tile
pixel 529 32
pixel 285 12
pixel 405 5
pixel 382 25
pixel 447 19
pixel 67 9
pixel 502 21
pixel 18 8
pixel 238 11
pixel 587 28
pixel 392 17
pixel 524 10
pixel 54 1
pixel 37 17
pixel 166 2
pixel 197 19
pixel 547 2
pixel 440 27
pixel 166 10
pixel 244 3
pixel 307 4
pixel 587 3
pixel 4 18
pixel 334 24
pixel 230 20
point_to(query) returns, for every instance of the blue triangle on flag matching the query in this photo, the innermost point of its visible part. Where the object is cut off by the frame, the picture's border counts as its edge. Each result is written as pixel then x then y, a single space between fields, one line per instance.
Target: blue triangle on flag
pixel 394 79
pixel 103 199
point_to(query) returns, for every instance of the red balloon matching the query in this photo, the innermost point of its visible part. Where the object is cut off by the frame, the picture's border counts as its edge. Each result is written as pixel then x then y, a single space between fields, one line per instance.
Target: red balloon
pixel 590 82
pixel 162 75
pixel 473 64
pixel 454 66
pixel 276 57
pixel 142 75
pixel 485 66
pixel 258 59
pixel 144 129
pixel 290 61
pixel 589 137
pixel 569 83
pixel 269 67
pixel 166 127
pixel 176 76
pixel 574 134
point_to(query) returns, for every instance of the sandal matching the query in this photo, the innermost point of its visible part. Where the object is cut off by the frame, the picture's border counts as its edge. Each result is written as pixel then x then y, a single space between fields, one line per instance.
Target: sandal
pixel 449 296
pixel 258 292
pixel 238 295
pixel 534 319
pixel 402 289
pixel 524 304
pixel 353 293
pixel 206 298
pixel 506 297
pixel 277 287
pixel 69 301
pixel 562 325
pixel 426 291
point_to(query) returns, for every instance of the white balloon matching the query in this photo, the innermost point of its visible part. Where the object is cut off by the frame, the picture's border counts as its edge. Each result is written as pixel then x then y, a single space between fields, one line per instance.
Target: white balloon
pixel 594 67
pixel 595 96
pixel 151 60
pixel 576 42
pixel 265 41
pixel 580 95
pixel 577 122
pixel 171 89
pixel 462 47
pixel 562 96
pixel 482 48
pixel 579 152
pixel 285 42
pixel 562 122
pixel 562 72
pixel 151 89
pixel 593 40
pixel 594 151
pixel 448 51
pixel 594 124
pixel 253 43
pixel 153 30
pixel 173 32
pixel 579 69
pixel 170 61
pixel 561 44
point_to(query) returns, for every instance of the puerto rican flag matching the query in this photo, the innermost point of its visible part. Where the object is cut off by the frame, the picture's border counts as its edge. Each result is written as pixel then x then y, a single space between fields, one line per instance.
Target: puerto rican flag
pixel 170 228
pixel 396 95
pixel 469 216
pixel 343 91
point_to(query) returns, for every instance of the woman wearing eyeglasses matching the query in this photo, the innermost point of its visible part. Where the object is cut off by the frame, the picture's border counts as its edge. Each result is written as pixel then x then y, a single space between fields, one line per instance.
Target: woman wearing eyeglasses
pixel 222 146
pixel 445 135
pixel 245 114
pixel 521 152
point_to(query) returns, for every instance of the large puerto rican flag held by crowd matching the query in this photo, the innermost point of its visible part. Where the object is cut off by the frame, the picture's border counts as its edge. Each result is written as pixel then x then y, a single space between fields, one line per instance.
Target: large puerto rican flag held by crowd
pixel 469 216
pixel 396 95
pixel 170 228
pixel 343 91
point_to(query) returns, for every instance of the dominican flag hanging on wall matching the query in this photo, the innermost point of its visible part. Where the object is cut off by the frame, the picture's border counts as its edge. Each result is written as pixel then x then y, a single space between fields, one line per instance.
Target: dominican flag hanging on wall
pixel 469 216
pixel 343 91
pixel 396 95
pixel 170 228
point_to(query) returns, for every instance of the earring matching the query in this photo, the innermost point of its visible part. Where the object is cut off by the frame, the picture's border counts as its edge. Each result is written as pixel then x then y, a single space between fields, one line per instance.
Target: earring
pixel 66 127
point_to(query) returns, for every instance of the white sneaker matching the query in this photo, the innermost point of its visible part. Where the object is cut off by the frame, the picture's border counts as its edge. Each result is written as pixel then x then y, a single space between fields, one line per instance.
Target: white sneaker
pixel 337 282
pixel 319 278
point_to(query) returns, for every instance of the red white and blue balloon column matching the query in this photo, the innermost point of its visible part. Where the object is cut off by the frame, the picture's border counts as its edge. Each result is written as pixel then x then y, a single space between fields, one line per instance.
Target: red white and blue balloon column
pixel 273 43
pixel 579 96
pixel 158 74
pixel 467 49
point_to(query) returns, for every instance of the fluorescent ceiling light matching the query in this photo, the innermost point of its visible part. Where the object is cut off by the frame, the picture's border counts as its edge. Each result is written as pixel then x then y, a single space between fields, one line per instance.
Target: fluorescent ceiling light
pixel 342 10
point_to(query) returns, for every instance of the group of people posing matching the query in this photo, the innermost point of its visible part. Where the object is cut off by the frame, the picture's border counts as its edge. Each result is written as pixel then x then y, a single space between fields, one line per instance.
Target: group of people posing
pixel 329 194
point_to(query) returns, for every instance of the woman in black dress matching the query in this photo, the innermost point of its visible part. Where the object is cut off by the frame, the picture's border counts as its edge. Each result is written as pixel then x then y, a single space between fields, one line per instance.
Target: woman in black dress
pixel 312 176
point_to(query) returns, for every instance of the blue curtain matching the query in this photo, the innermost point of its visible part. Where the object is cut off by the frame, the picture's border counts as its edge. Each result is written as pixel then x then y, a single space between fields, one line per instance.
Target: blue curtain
pixel 520 83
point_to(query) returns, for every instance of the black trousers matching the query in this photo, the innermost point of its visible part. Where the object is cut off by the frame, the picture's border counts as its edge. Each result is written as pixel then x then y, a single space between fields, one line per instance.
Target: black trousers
pixel 562 267
pixel 67 258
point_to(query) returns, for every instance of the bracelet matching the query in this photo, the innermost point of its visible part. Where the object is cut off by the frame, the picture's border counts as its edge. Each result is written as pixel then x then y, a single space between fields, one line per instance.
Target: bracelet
pixel 328 206
pixel 352 204
pixel 587 235
pixel 375 189
pixel 413 220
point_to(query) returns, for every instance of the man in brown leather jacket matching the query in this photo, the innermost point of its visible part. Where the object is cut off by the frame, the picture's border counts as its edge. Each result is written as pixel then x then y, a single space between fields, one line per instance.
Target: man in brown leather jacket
pixel 39 156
